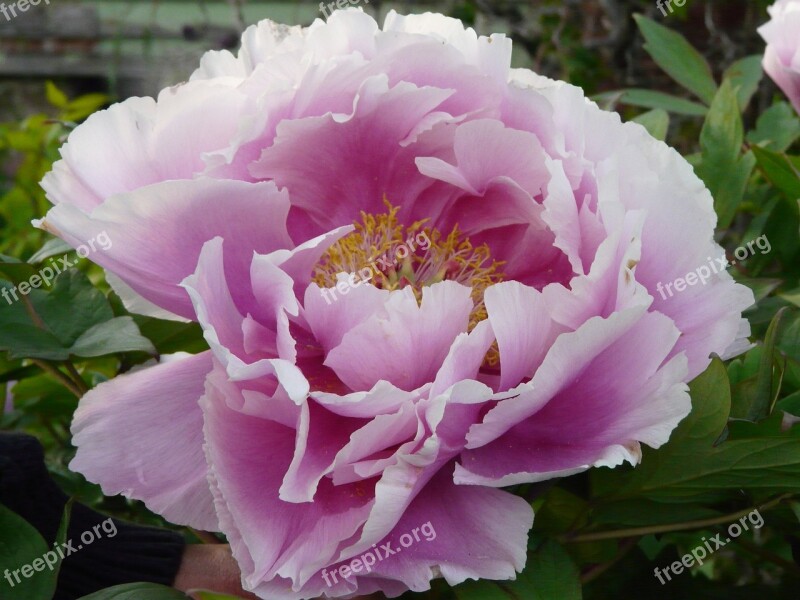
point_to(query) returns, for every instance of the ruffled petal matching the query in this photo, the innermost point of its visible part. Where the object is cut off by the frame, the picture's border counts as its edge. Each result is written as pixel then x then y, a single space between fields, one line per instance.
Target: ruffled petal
pixel 141 435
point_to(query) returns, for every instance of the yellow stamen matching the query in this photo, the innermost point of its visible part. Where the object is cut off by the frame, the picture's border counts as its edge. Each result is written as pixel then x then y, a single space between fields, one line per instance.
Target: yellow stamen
pixel 414 256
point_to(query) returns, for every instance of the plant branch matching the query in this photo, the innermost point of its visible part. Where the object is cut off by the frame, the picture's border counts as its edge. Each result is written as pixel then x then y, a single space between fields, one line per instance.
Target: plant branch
pixel 639 531
pixel 79 382
pixel 58 374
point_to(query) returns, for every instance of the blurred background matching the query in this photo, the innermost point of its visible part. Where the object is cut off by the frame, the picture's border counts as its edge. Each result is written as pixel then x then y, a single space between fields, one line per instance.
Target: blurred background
pixel 136 47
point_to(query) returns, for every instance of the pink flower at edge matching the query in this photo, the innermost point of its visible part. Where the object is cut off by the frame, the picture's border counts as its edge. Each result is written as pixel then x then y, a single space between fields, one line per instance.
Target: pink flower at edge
pixel 527 342
pixel 782 55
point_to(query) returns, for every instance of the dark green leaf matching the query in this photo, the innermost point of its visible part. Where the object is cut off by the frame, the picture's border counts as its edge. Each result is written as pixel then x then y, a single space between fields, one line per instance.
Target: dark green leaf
pixel 763 399
pixel 652 99
pixel 781 172
pixel 14 270
pixel 723 168
pixel 691 468
pixel 777 128
pixel 790 404
pixel 20 547
pixel 678 58
pixel 23 341
pixel 119 334
pixel 63 528
pixel 72 307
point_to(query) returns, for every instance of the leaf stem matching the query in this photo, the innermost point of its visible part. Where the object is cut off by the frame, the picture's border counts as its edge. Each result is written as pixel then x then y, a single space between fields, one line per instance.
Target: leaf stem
pixel 573 538
pixel 58 374
pixel 79 382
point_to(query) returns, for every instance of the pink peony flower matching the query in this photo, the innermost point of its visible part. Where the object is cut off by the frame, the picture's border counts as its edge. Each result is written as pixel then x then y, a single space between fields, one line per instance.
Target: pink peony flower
pixel 422 275
pixel 782 56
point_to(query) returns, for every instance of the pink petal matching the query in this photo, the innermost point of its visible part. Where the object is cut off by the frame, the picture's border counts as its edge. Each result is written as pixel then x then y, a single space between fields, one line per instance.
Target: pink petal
pixel 403 350
pixel 249 458
pixel 599 391
pixel 141 435
pixel 175 219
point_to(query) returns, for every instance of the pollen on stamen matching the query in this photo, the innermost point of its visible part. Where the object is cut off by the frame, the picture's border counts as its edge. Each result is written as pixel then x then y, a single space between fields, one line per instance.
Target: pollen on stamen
pixel 393 256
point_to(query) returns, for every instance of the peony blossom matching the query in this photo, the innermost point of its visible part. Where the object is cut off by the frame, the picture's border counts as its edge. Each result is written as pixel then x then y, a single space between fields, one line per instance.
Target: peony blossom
pixel 422 276
pixel 782 56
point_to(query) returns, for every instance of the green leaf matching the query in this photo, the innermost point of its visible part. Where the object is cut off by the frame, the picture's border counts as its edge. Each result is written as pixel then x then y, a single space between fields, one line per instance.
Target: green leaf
pixel 560 511
pixel 137 591
pixel 549 575
pixel 72 307
pixel 55 96
pixel 763 399
pixel 781 172
pixel 656 122
pixel 651 99
pixel 691 468
pixel 777 128
pixel 81 107
pixel 14 270
pixel 753 397
pixel 790 404
pixel 172 336
pixel 792 296
pixel 789 340
pixel 116 335
pixel 679 59
pixel 73 318
pixel 28 341
pixel 44 397
pixel 745 75
pixel 724 169
pixel 21 546
pixel 61 535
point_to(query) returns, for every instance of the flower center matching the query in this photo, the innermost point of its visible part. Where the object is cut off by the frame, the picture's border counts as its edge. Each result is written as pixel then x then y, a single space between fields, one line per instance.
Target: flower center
pixel 392 256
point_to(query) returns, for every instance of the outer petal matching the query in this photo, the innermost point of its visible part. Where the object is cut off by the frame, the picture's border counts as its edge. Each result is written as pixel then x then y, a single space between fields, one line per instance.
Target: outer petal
pixel 174 219
pixel 249 457
pixel 456 532
pixel 140 141
pixel 141 435
pixel 600 391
